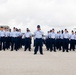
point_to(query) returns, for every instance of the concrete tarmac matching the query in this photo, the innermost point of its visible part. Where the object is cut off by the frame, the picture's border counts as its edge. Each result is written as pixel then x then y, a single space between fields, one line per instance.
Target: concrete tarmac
pixel 26 63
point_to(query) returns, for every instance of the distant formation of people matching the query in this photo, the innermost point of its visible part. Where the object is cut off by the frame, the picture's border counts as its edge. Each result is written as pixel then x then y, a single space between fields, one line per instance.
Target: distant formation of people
pixel 54 41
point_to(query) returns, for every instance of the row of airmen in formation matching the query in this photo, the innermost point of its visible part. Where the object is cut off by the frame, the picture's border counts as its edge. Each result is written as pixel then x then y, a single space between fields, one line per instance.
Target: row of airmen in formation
pixel 15 39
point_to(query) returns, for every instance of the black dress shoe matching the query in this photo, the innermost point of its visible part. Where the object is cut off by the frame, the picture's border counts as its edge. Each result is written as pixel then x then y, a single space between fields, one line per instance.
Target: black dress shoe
pixel 0 50
pixel 11 50
pixel 29 50
pixel 24 49
pixel 16 50
pixel 35 53
pixel 4 49
pixel 67 51
pixel 41 53
pixel 73 50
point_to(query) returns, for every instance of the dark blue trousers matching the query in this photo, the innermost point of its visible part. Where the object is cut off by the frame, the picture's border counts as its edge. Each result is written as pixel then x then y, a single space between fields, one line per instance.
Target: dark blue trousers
pixel 34 42
pixel 58 44
pixel 52 45
pixel 61 44
pixel 75 44
pixel 7 41
pixel 38 45
pixel 30 42
pixel 65 45
pixel 14 44
pixel 27 44
pixel 3 45
pixel 72 44
pixel 0 44
pixel 47 42
pixel 19 42
pixel 23 42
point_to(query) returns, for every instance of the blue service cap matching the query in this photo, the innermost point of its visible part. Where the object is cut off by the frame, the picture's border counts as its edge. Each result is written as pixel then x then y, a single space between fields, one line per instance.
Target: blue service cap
pixel 38 26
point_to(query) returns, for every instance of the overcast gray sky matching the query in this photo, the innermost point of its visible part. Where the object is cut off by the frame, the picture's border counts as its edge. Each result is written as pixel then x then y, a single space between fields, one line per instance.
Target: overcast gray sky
pixel 58 14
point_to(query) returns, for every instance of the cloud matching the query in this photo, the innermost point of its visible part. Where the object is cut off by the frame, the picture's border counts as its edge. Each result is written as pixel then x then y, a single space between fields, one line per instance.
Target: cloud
pixel 3 1
pixel 58 14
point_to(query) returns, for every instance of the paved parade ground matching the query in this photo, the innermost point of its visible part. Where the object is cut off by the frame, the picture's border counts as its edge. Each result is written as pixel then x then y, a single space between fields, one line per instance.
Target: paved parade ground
pixel 26 63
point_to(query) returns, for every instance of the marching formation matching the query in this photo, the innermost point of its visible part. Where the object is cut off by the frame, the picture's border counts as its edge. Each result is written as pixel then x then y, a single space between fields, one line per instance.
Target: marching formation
pixel 53 41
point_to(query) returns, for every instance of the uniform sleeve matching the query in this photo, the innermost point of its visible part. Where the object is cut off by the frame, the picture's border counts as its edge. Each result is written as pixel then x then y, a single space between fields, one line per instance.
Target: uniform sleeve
pixel 55 35
pixel 30 34
pixel 63 35
pixel 25 34
pixel 46 36
pixel 68 35
pixel 49 35
pixel 34 33
pixel 42 33
pixel 75 37
pixel 8 33
pixel 0 33
pixel 4 33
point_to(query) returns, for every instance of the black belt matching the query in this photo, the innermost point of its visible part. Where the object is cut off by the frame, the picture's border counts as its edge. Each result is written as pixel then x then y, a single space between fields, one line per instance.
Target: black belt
pixel 14 37
pixel 53 38
pixel 72 39
pixel 27 37
pixel 38 38
pixel 65 38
